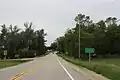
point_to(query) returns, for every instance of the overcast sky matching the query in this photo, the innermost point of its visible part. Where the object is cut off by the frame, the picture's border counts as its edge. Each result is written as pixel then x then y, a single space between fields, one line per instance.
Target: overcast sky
pixel 55 16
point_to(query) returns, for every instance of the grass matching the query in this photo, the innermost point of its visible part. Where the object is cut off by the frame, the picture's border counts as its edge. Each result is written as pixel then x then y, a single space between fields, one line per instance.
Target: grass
pixel 8 63
pixel 109 68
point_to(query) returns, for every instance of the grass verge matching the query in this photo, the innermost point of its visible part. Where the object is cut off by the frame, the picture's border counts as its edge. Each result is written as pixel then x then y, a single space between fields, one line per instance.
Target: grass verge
pixel 106 67
pixel 8 63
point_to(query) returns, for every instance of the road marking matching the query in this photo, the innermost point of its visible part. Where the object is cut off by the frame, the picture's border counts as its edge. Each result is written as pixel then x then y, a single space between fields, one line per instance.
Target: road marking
pixel 21 75
pixel 65 70
pixel 17 77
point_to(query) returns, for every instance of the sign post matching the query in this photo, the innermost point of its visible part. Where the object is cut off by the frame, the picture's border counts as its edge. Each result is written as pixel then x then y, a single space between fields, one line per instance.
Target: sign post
pixel 89 51
pixel 5 53
pixel 89 58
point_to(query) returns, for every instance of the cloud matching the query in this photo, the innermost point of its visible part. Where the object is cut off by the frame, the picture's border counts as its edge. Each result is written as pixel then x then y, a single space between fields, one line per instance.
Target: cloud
pixel 55 16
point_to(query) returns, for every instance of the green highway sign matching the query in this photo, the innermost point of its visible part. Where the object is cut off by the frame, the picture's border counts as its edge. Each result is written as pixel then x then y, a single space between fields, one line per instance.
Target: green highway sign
pixel 89 50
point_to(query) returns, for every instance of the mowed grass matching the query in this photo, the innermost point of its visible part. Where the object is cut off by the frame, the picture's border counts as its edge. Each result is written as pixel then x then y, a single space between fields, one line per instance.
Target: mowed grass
pixel 8 63
pixel 109 68
pixel 115 61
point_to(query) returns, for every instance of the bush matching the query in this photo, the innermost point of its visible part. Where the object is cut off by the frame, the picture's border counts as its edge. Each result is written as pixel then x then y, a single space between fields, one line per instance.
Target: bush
pixel 28 54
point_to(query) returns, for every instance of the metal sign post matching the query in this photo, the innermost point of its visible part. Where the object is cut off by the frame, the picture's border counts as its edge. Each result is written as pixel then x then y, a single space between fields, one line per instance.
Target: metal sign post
pixel 89 51
pixel 89 58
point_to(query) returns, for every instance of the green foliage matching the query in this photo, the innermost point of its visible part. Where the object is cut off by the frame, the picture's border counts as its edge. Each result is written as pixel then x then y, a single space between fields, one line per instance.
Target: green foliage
pixel 28 54
pixel 53 46
pixel 8 63
pixel 15 40
pixel 104 36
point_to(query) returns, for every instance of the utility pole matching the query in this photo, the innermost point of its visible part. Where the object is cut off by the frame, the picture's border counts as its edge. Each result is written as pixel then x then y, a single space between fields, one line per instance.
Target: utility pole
pixel 79 40
pixel 79 19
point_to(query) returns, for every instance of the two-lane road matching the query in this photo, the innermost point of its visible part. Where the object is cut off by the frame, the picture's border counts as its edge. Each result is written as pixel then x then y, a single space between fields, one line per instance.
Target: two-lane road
pixel 49 67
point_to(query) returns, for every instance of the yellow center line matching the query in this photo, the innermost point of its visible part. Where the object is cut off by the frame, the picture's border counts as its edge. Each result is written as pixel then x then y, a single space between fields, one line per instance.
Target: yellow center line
pixel 21 75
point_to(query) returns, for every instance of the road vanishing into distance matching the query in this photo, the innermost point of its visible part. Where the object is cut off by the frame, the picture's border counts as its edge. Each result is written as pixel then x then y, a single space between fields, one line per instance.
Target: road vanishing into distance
pixel 49 67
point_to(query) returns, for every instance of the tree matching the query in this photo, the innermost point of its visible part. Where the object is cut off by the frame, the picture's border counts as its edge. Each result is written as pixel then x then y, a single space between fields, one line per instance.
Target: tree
pixel 104 36
pixel 26 42
pixel 41 41
pixel 53 46
pixel 3 39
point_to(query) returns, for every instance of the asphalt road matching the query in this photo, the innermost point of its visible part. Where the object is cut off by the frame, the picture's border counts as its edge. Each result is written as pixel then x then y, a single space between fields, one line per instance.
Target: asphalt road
pixel 49 67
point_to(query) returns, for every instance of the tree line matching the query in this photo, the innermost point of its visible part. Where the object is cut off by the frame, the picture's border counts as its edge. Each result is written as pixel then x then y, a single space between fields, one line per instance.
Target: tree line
pixel 21 43
pixel 103 35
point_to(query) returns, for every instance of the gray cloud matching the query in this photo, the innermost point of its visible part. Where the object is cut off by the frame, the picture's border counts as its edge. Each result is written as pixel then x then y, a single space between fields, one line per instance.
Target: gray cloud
pixel 55 16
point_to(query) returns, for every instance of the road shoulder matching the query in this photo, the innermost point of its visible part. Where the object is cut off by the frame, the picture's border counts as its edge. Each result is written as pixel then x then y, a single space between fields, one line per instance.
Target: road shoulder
pixel 90 75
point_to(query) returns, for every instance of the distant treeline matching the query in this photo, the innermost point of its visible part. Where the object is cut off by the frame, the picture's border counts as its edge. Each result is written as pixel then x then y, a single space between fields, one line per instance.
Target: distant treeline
pixel 104 36
pixel 22 43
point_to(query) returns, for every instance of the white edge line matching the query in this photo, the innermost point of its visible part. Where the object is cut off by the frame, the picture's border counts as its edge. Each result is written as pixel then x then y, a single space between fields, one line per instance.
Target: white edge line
pixel 65 70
